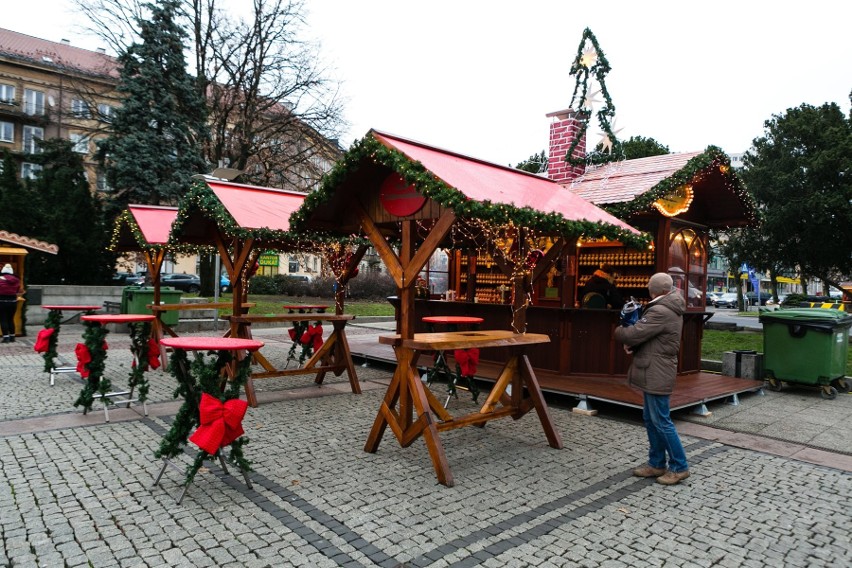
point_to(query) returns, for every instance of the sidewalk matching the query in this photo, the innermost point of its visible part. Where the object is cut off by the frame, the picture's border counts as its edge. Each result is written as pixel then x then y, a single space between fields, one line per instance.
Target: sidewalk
pixel 76 491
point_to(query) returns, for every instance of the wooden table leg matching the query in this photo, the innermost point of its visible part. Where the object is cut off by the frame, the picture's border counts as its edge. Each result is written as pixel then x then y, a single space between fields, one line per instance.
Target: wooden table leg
pixel 408 391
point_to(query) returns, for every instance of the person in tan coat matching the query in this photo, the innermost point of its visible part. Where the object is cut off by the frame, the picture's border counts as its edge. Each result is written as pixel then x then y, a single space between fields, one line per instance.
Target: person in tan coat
pixel 654 342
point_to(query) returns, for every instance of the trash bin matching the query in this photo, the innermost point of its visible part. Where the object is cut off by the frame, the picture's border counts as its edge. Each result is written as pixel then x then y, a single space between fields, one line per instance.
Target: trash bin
pixel 807 346
pixel 135 299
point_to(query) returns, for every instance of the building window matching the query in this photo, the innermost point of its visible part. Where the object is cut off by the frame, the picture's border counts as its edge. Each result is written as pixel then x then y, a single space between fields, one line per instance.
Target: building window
pixel 104 112
pixel 31 134
pixel 81 143
pixel 33 102
pixel 79 108
pixel 293 264
pixel 7 94
pixel 30 171
pixel 102 183
pixel 7 132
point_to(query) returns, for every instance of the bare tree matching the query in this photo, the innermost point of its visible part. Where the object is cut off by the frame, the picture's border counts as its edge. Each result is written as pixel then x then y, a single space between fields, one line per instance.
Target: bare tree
pixel 274 110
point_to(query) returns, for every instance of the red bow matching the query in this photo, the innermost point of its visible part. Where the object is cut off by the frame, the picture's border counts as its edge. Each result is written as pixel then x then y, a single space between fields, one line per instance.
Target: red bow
pixel 153 354
pixel 83 359
pixel 221 422
pixel 468 359
pixel 42 343
pixel 312 334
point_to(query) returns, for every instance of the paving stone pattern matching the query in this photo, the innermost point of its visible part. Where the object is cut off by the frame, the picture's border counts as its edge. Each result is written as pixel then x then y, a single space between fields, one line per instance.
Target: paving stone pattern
pixel 82 496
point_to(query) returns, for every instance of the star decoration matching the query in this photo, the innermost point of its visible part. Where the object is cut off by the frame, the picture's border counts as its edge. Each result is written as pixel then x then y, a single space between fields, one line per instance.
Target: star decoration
pixel 589 57
pixel 591 99
pixel 606 142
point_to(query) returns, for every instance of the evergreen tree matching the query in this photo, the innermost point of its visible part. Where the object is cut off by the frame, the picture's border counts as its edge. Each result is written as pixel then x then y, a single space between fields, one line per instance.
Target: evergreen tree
pixel 640 147
pixel 800 173
pixel 160 129
pixel 535 164
pixel 20 206
pixel 74 221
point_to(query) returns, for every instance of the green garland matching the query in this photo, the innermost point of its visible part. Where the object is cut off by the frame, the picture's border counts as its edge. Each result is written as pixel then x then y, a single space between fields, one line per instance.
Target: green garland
pixel 202 376
pixel 713 158
pixel 202 198
pixel 140 333
pixel 53 321
pixel 126 217
pixel 94 337
pixel 605 115
pixel 369 149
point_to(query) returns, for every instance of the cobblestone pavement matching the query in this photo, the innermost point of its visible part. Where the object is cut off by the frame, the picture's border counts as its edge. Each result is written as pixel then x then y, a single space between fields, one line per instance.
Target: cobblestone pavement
pixel 79 493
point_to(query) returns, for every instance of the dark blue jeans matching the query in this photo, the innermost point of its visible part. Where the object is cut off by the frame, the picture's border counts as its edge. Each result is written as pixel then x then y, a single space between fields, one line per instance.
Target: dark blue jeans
pixel 662 434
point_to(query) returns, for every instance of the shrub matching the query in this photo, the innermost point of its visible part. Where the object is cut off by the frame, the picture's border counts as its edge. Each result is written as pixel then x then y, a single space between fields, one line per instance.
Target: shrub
pixel 278 285
pixel 374 286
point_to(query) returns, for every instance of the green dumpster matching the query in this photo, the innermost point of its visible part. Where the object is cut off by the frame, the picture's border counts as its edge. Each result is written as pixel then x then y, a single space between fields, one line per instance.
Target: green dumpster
pixel 135 299
pixel 807 346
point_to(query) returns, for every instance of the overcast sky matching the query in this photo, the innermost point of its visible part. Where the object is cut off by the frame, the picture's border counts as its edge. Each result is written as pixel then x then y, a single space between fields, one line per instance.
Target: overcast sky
pixel 478 76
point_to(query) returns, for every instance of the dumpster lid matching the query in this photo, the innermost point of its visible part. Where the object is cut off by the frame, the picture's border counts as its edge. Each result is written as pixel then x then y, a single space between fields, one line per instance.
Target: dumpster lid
pixel 812 317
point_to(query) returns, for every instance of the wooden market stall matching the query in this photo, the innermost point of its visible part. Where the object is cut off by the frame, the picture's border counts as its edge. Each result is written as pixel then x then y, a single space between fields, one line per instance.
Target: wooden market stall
pixel 410 199
pixel 13 250
pixel 242 222
pixel 676 199
pixel 146 229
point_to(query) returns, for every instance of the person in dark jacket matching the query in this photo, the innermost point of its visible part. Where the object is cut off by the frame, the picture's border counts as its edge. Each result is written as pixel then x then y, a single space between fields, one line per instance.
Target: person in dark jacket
pixel 9 287
pixel 654 342
pixel 603 282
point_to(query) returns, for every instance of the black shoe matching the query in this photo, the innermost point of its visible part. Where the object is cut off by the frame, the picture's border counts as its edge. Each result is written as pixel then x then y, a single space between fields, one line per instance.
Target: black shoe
pixel 12 339
pixel 6 339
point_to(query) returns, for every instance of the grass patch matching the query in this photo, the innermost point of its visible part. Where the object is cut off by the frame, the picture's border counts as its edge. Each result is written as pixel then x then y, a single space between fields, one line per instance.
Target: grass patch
pixel 269 305
pixel 716 342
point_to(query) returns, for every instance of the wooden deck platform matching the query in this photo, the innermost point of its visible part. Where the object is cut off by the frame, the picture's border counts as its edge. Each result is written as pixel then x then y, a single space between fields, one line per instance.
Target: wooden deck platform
pixel 694 389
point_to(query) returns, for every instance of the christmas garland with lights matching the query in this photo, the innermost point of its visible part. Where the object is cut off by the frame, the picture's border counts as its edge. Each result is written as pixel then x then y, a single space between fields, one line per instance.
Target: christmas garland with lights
pixel 202 198
pixel 94 339
pixel 194 378
pixel 414 173
pixel 126 217
pixel 713 158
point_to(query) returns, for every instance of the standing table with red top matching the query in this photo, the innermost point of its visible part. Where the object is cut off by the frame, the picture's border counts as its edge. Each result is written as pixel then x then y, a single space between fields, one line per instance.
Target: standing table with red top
pixel 463 377
pixel 211 403
pixel 48 338
pixel 97 386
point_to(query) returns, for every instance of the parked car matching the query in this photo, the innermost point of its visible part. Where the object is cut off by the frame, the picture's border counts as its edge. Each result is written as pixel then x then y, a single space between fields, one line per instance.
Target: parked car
pixel 224 283
pixel 752 298
pixel 712 297
pixel 127 279
pixel 726 300
pixel 186 282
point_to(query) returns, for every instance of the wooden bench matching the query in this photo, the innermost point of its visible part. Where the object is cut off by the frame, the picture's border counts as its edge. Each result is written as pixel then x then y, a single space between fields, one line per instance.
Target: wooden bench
pixel 334 355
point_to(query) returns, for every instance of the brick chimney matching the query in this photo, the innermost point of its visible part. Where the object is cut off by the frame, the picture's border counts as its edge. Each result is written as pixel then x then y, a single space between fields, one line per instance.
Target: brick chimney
pixel 564 126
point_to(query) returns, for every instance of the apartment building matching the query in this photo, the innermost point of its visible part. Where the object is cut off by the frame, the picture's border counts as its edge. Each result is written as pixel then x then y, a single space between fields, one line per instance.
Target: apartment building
pixel 54 90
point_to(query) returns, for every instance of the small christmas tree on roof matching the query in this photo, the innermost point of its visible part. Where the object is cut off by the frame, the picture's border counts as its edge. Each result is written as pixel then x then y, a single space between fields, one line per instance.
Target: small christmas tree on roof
pixel 591 64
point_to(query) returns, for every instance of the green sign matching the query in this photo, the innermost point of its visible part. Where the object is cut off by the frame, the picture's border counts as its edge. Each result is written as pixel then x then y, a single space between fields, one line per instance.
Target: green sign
pixel 268 260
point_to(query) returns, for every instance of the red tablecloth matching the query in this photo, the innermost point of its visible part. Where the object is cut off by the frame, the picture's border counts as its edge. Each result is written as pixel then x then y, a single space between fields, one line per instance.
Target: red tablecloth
pixel 452 320
pixel 211 343
pixel 117 318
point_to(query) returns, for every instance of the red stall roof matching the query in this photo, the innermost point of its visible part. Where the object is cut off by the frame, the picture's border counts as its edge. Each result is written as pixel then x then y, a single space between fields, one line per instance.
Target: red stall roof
pixel 155 222
pixel 485 181
pixel 254 207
